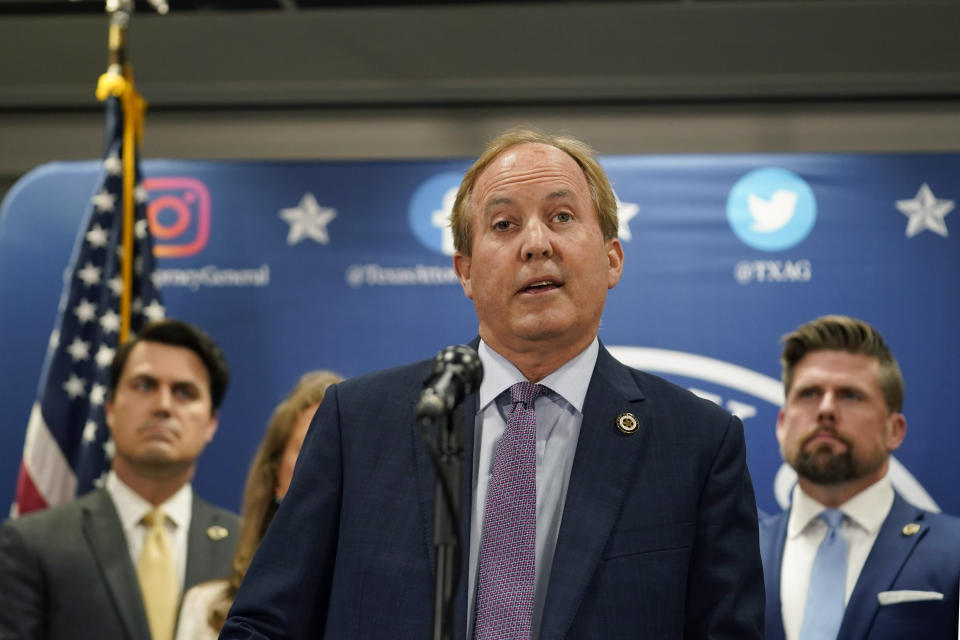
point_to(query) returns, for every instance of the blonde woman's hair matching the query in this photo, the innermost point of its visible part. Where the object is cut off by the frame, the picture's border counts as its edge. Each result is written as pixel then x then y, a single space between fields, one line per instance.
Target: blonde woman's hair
pixel 259 503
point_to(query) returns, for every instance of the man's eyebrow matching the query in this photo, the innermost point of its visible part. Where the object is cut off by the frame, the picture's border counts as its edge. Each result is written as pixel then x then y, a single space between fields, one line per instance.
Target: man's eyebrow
pixel 497 201
pixel 553 195
pixel 559 193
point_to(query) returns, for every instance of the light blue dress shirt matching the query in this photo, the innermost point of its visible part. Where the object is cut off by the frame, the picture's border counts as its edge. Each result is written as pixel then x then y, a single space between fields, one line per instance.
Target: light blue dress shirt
pixel 559 415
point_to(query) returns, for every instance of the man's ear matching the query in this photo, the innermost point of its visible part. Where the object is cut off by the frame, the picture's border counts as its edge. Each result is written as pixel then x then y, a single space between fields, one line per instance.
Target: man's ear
pixel 780 428
pixel 461 265
pixel 108 414
pixel 897 431
pixel 614 262
pixel 212 426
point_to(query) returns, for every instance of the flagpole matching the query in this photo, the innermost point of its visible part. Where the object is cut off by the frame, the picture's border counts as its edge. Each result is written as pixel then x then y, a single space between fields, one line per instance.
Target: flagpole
pixel 117 82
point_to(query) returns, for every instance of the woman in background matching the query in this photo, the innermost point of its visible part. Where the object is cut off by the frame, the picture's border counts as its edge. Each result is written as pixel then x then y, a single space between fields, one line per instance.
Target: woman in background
pixel 205 606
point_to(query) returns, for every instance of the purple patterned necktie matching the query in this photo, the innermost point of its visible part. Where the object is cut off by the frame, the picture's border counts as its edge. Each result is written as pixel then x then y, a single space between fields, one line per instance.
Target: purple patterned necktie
pixel 507 550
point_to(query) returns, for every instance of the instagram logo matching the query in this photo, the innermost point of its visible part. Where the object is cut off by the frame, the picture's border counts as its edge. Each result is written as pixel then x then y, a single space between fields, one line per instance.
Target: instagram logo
pixel 178 210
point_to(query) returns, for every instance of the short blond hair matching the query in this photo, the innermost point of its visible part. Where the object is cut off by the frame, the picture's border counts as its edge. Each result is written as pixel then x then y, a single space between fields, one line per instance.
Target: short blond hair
pixel 600 190
pixel 843 333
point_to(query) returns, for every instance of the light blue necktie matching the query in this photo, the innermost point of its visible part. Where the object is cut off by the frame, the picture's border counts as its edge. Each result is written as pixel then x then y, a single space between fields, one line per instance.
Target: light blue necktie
pixel 828 583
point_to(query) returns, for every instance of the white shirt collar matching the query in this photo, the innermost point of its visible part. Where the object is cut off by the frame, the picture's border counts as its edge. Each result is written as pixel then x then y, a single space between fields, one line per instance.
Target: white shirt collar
pixel 570 381
pixel 132 507
pixel 868 509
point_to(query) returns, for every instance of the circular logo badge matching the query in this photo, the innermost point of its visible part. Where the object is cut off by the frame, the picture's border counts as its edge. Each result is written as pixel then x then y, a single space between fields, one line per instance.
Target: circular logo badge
pixel 429 212
pixel 771 209
pixel 627 423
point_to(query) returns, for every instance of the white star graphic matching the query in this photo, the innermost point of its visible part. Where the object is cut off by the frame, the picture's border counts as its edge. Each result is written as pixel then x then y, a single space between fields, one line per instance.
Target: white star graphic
pixel 140 193
pixel 110 321
pixel 90 431
pixel 308 220
pixel 90 274
pixel 54 339
pixel 137 305
pixel 86 311
pixel 116 285
pixel 104 356
pixel 104 201
pixel 154 311
pixel 625 213
pixel 441 219
pixel 78 349
pixel 109 449
pixel 925 212
pixel 113 164
pixel 97 237
pixel 98 394
pixel 140 229
pixel 74 386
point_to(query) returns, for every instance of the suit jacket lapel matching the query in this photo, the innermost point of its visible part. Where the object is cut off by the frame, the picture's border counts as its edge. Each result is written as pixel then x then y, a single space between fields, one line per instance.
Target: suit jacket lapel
pixel 771 550
pixel 602 468
pixel 890 550
pixel 426 489
pixel 205 554
pixel 104 534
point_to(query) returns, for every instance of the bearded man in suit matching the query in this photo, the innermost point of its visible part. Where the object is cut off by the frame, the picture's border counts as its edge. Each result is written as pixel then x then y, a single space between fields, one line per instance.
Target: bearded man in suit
pixel 851 558
pixel 112 564
pixel 600 502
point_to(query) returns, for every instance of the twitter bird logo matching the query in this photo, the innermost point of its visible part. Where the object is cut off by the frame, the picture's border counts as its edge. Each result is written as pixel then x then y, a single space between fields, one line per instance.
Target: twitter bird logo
pixel 775 213
pixel 771 209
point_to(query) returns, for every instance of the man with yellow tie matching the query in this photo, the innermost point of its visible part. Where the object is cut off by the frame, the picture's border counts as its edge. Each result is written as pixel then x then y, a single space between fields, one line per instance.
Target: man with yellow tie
pixel 113 564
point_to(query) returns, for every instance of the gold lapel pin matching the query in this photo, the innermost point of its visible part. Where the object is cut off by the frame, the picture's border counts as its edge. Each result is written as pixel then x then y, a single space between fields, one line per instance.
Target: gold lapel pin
pixel 216 532
pixel 910 529
pixel 627 423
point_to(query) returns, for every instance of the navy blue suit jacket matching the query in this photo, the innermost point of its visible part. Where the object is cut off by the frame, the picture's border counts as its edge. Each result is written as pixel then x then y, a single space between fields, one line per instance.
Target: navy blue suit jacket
pixel 926 560
pixel 658 539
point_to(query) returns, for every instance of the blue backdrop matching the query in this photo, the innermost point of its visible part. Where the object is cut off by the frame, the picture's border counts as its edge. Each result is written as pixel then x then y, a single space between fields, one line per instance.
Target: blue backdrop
pixel 295 266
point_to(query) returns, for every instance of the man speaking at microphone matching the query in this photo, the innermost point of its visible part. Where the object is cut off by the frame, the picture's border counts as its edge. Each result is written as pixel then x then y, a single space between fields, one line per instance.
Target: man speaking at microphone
pixel 601 502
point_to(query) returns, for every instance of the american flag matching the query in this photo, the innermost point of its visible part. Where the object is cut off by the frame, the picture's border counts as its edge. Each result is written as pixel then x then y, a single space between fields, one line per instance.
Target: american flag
pixel 68 449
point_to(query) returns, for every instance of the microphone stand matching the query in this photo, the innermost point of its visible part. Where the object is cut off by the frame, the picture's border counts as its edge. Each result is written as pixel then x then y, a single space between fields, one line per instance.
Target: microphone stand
pixel 446 452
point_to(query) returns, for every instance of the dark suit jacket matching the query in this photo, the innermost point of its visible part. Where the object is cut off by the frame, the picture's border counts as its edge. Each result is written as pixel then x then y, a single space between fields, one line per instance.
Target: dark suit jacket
pixel 926 560
pixel 658 539
pixel 66 573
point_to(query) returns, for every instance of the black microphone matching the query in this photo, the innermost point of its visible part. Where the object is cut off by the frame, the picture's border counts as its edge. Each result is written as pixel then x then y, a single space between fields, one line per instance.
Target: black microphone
pixel 456 372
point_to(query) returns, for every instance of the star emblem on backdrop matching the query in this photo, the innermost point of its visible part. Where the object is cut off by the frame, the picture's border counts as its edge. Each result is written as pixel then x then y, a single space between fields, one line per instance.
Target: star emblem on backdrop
pixel 308 220
pixel 625 213
pixel 925 212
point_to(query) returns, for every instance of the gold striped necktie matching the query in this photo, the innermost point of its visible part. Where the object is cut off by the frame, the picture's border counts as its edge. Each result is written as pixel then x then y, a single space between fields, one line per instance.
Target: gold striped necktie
pixel 158 580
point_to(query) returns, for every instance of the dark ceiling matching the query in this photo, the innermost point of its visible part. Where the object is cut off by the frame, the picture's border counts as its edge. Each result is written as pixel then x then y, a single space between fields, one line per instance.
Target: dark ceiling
pixel 67 7
pixel 293 53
